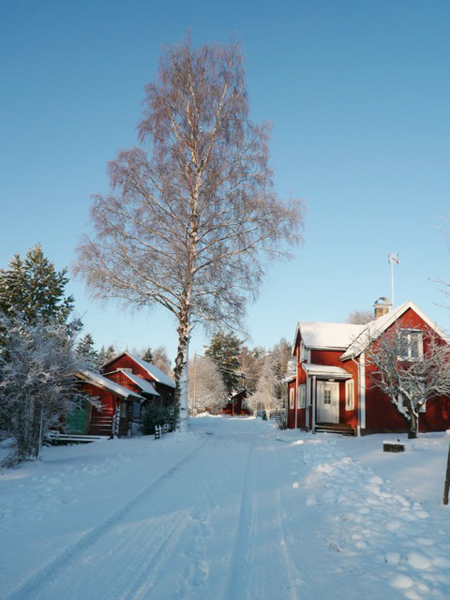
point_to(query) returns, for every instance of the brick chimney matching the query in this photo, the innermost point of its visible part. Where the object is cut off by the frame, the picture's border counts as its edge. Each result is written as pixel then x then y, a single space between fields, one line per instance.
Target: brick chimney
pixel 381 307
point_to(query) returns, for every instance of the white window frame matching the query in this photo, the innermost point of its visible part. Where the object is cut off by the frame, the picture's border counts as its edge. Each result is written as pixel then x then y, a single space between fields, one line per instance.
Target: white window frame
pixel 302 352
pixel 291 398
pixel 302 396
pixel 414 340
pixel 349 394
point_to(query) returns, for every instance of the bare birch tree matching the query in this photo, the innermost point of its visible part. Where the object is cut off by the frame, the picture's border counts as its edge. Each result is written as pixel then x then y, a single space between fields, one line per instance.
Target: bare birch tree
pixel 411 367
pixel 192 210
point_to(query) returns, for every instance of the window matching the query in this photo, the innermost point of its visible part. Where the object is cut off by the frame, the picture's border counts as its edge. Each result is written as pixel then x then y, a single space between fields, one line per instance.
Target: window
pixel 302 396
pixel 302 352
pixel 327 396
pixel 291 397
pixel 349 395
pixel 411 344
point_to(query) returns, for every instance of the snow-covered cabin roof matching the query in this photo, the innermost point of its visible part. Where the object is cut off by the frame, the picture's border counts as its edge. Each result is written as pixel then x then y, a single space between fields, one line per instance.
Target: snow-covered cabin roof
pixel 143 384
pixel 374 328
pixel 153 371
pixel 156 373
pixel 332 336
pixel 112 386
pixel 326 371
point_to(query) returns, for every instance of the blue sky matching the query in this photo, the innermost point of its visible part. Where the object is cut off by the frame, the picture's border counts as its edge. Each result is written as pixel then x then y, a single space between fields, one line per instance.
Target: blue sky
pixel 358 94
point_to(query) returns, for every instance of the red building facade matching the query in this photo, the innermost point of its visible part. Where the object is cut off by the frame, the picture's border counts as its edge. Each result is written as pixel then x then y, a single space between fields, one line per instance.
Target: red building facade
pixel 332 388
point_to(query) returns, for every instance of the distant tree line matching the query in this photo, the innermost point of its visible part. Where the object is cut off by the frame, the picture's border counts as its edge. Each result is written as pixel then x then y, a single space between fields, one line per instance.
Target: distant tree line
pixel 229 365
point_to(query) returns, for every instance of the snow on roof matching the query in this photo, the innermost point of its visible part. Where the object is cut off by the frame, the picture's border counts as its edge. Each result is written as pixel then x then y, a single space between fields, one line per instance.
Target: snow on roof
pixel 145 385
pixel 328 335
pixel 326 371
pixel 156 373
pixel 114 387
pixel 374 328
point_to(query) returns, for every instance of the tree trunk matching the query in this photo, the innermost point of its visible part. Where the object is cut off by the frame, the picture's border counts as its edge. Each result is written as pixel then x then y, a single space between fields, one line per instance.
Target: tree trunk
pixel 413 425
pixel 181 373
pixel 447 479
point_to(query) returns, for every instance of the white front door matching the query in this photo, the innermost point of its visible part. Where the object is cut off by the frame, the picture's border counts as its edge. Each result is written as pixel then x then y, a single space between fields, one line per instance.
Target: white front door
pixel 327 402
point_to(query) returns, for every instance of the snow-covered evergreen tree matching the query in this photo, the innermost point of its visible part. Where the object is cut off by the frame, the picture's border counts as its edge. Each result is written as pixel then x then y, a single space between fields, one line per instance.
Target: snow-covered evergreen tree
pixel 106 354
pixel 87 351
pixel 37 387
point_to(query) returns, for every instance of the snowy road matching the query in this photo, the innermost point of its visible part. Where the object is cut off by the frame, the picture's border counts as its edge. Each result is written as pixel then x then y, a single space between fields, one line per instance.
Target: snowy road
pixel 235 510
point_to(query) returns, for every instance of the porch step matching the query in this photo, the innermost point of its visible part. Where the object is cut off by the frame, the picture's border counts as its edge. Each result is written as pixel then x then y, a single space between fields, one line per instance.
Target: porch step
pixel 341 428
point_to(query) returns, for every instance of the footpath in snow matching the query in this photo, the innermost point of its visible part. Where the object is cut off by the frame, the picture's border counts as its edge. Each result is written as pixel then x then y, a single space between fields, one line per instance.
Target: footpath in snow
pixel 235 510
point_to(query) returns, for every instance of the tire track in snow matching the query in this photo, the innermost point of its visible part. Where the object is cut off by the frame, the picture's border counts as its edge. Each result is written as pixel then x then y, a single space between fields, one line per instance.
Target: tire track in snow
pixel 40 579
pixel 261 538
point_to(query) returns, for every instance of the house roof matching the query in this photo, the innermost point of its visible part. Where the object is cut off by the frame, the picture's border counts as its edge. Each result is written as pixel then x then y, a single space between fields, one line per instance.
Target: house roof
pixel 332 336
pixel 143 384
pixel 376 327
pixel 153 371
pixel 104 383
pixel 326 371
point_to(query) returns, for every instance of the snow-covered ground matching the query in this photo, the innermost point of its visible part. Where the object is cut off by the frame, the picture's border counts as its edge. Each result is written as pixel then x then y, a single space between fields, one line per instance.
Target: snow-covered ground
pixel 234 509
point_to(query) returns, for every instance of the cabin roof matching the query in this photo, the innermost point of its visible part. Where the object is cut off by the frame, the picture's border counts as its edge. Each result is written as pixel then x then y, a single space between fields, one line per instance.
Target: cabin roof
pixel 105 383
pixel 153 371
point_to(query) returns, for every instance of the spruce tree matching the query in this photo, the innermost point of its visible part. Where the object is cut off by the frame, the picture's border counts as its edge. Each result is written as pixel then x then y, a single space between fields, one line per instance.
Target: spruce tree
pixel 86 351
pixel 225 350
pixel 33 289
pixel 147 355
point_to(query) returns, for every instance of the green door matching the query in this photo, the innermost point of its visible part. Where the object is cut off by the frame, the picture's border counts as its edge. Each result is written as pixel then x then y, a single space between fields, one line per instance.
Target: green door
pixel 77 421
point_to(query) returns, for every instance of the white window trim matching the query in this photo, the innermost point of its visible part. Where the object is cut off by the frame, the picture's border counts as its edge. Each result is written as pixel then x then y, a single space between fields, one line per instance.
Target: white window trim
pixel 291 398
pixel 349 395
pixel 408 334
pixel 302 396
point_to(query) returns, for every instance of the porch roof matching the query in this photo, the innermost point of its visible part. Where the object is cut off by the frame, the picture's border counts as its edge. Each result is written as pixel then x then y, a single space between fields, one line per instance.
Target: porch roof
pixel 326 371
pixel 102 382
pixel 143 384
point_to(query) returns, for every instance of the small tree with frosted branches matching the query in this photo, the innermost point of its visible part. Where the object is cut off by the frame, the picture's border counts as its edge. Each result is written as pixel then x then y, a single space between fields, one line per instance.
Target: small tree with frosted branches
pixel 411 367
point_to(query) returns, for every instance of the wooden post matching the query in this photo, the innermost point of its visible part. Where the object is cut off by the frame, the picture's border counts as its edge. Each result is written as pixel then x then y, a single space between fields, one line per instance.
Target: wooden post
pixel 447 479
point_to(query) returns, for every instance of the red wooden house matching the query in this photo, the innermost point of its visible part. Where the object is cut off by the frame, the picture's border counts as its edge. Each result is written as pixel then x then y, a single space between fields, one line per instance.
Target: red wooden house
pixel 141 377
pixel 113 417
pixel 237 403
pixel 331 387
